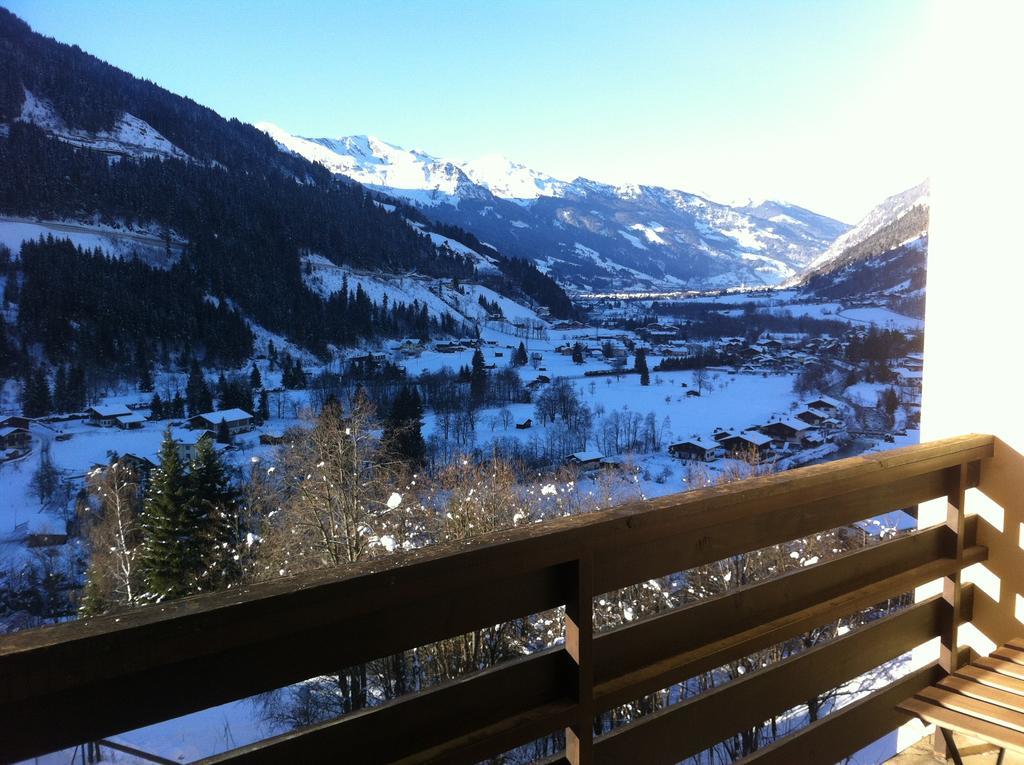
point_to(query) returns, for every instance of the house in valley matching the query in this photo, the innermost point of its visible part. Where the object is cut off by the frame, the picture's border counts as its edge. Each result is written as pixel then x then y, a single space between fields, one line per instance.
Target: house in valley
pixel 106 416
pixel 237 421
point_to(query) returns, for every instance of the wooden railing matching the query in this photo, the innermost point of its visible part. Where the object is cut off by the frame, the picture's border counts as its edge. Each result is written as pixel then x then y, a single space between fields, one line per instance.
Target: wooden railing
pixel 75 682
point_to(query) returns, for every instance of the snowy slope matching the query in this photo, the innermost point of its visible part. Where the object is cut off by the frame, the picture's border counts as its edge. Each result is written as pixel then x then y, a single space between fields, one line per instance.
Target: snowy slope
pixel 126 242
pixel 130 136
pixel 891 209
pixel 634 236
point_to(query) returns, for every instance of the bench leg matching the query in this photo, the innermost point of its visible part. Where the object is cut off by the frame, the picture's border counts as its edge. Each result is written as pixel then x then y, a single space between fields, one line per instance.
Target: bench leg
pixel 951 747
pixel 999 759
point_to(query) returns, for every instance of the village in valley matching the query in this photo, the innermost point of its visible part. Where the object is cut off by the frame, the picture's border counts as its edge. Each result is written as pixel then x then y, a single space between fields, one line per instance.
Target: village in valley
pixel 627 396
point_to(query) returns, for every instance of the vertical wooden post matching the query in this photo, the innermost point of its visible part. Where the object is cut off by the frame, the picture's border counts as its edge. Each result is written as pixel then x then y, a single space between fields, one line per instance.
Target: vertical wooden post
pixel 951 590
pixel 579 644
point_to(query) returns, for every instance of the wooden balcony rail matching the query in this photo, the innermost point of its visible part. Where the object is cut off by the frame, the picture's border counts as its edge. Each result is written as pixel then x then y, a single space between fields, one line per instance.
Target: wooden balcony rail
pixel 62 685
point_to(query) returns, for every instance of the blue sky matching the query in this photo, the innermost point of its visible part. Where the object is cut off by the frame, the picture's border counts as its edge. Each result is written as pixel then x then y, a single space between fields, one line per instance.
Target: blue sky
pixel 818 102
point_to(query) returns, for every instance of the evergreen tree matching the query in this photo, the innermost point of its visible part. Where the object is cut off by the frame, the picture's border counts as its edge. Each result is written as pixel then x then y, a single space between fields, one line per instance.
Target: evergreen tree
pixel 143 369
pixel 520 359
pixel 178 405
pixel 640 365
pixel 156 407
pixel 477 380
pixel 223 434
pixel 35 394
pixel 214 508
pixel 60 390
pixel 255 380
pixel 577 353
pixel 263 410
pixel 403 429
pixel 170 550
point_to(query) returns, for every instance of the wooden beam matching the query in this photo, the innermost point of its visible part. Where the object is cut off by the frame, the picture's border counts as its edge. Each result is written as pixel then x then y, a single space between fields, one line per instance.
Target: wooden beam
pixel 640 659
pixel 955 501
pixel 579 644
pixel 692 726
pixel 526 698
pixel 850 729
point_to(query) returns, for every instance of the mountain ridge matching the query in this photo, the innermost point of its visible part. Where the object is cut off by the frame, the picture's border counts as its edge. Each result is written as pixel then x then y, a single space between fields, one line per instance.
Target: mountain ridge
pixel 585 233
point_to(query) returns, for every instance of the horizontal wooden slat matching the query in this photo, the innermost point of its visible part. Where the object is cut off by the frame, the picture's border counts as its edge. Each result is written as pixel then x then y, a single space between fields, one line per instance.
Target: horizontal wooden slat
pixel 850 729
pixel 691 726
pixel 200 651
pixel 639 659
pixel 983 692
pixel 994 679
pixel 710 538
pixel 964 723
pixel 973 707
pixel 1003 667
pixel 526 699
pixel 1010 654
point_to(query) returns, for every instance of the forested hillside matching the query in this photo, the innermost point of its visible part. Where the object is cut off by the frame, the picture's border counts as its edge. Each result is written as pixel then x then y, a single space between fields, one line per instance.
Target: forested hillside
pixel 242 214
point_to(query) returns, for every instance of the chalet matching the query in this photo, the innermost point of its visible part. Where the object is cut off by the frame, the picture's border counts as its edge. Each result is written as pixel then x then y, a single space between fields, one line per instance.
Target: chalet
pixel 695 449
pixel 693 393
pixel 410 346
pixel 773 346
pixel 584 460
pixel 746 442
pixel 790 431
pixel 187 443
pixel 906 376
pixel 130 422
pixel 14 438
pixel 237 420
pixel 811 416
pixel 525 424
pixel 720 434
pixel 106 416
pixel 143 466
pixel 914 361
pixel 14 421
pixel 826 404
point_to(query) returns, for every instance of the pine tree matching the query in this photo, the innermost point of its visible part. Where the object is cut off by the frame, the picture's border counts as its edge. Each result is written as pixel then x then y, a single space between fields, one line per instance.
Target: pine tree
pixel 169 557
pixel 577 353
pixel 223 434
pixel 255 380
pixel 477 380
pixel 403 429
pixel 35 394
pixel 214 506
pixel 520 359
pixel 156 407
pixel 263 410
pixel 640 365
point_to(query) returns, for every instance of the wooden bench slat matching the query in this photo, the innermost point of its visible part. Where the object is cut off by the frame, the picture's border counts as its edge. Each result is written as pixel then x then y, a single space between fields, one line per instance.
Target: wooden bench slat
pixel 1009 654
pixel 1003 667
pixel 980 710
pixel 976 690
pixel 1017 643
pixel 992 678
pixel 971 726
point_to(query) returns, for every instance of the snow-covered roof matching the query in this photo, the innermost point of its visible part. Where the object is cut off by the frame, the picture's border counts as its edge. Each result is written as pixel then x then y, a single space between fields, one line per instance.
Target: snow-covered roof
pixel 130 418
pixel 189 437
pixel 4 432
pixel 753 437
pixel 586 456
pixel 231 415
pixel 703 443
pixel 791 422
pixel 828 400
pixel 111 410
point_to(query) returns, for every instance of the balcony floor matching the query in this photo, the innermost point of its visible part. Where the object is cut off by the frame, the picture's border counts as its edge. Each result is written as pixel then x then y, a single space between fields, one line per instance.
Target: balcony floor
pixel 974 752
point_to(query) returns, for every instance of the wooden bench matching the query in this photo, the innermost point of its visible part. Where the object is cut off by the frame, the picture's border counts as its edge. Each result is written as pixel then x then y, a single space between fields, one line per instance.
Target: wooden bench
pixel 983 700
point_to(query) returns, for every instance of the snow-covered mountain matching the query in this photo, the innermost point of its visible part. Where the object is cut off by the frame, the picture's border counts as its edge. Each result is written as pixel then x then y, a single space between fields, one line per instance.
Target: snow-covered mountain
pixel 891 209
pixel 882 259
pixel 587 234
pixel 130 135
